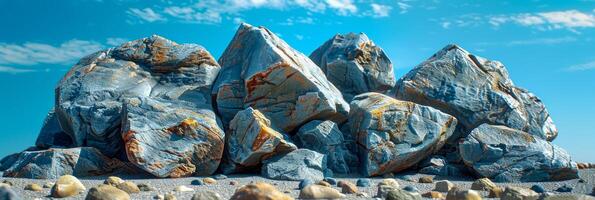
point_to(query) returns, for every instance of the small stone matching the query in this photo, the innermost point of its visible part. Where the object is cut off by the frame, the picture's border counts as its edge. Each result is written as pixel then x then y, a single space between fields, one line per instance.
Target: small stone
pixel 390 182
pixel 324 183
pixel 106 192
pixel 410 188
pixel 305 183
pixel 495 192
pixel 444 186
pixel 6 193
pixel 197 182
pixel 426 179
pixel 209 181
pixel 7 182
pixel 347 187
pixel 220 177
pixel 260 191
pixel 183 188
pixel 33 187
pixel 538 188
pixel 233 182
pixel 113 181
pixel 383 190
pixel 48 185
pixel 518 193
pixel 564 188
pixel 483 184
pixel 128 187
pixel 159 197
pixel 399 194
pixel 433 195
pixel 363 182
pixel 330 180
pixel 145 187
pixel 206 195
pixel 593 191
pixel 407 178
pixel 320 192
pixel 169 196
pixel 67 186
pixel 460 194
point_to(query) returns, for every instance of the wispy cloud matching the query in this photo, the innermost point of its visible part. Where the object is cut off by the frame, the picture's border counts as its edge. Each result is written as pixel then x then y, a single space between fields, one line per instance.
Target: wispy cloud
pixel 582 67
pixel 404 7
pixel 12 70
pixel 115 41
pixel 344 7
pixel 379 10
pixel 32 53
pixel 146 14
pixel 297 20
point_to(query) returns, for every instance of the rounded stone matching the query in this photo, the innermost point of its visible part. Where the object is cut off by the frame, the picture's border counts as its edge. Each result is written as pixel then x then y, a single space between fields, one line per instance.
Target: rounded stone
pixel 145 187
pixel 460 194
pixel 33 187
pixel 183 188
pixel 363 182
pixel 330 180
pixel 410 188
pixel 113 181
pixel 319 192
pixel 399 194
pixel 206 195
pixel 347 187
pixel 129 187
pixel 197 182
pixel 564 188
pixel 483 184
pixel 209 181
pixel 220 177
pixel 518 193
pixel 106 192
pixel 426 179
pixel 259 190
pixel 444 186
pixel 67 186
pixel 433 195
pixel 538 188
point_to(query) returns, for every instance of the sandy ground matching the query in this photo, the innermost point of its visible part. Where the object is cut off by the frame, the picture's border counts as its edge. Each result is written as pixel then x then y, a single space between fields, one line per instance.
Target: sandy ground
pixel 226 190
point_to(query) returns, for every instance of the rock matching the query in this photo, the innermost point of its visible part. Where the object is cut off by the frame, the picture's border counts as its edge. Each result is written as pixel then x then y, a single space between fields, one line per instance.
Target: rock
pixel 330 180
pixel 399 194
pixel 259 191
pixel 197 182
pixel 53 163
pixel 297 165
pixel 518 193
pixel 90 103
pixel 159 197
pixel 48 185
pixel 113 181
pixel 444 186
pixel 355 65
pixel 209 181
pixel 483 184
pixel 568 197
pixel 433 195
pixel 426 179
pixel 7 182
pixel 206 195
pixel 507 155
pixel 407 178
pixel 6 193
pixel 410 188
pixel 326 138
pixel 251 139
pixel 128 187
pixel 304 183
pixel 33 187
pixel 593 191
pixel 324 183
pixel 260 70
pixel 383 190
pixel 363 182
pixel 460 194
pixel 169 197
pixel 394 135
pixel 220 177
pixel 347 187
pixel 538 188
pixel 390 182
pixel 564 188
pixel 145 187
pixel 51 134
pixel 475 91
pixel 437 165
pixel 106 192
pixel 495 192
pixel 67 186
pixel 320 192
pixel 183 188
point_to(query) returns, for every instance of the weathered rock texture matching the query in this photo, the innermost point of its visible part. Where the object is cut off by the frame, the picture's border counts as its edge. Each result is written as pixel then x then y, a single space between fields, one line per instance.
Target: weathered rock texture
pixel 251 140
pixel 394 135
pixel 507 155
pixel 261 71
pixel 298 165
pixel 476 91
pixel 51 134
pixel 53 163
pixel 355 65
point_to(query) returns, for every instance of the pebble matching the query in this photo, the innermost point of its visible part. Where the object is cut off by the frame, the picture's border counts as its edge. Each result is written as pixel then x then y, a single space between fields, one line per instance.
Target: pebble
pixel 145 187
pixel 483 184
pixel 183 188
pixel 399 194
pixel 444 186
pixel 320 192
pixel 495 192
pixel 67 186
pixel 261 190
pixel 383 190
pixel 33 187
pixel 233 182
pixel 426 179
pixel 518 193
pixel 363 182
pixel 6 193
pixel 433 195
pixel 206 195
pixel 169 196
pixel 159 197
pixel 128 187
pixel 220 177
pixel 197 182
pixel 460 194
pixel 105 192
pixel 389 182
pixel 538 188
pixel 410 188
pixel 305 183
pixel 564 188
pixel 330 180
pixel 113 181
pixel 209 181
pixel 347 187
pixel 324 183
pixel 48 185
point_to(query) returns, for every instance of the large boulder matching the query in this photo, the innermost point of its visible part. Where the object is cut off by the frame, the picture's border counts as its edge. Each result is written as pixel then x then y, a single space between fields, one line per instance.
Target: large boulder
pixel 261 71
pixel 393 134
pixel 355 65
pixel 295 166
pixel 251 139
pixel 476 91
pixel 504 154
pixel 89 99
pixel 51 134
pixel 326 138
pixel 53 163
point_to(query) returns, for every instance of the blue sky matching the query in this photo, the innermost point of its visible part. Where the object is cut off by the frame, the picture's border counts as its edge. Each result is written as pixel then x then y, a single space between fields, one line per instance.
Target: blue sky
pixel 547 46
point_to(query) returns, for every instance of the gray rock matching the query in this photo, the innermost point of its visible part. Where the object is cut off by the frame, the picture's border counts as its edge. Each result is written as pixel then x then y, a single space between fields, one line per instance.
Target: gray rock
pixel 90 97
pixel 326 138
pixel 260 70
pixel 6 193
pixel 504 155
pixel 53 163
pixel 400 194
pixel 51 134
pixel 297 165
pixel 393 134
pixel 355 65
pixel 437 165
pixel 519 193
pixel 252 139
pixel 206 195
pixel 475 91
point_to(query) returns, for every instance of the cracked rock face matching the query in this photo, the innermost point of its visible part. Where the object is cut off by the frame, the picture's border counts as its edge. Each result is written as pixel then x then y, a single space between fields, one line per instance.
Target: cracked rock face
pixel 476 91
pixel 355 65
pixel 53 163
pixel 508 155
pixel 261 71
pixel 295 166
pixel 393 134
pixel 51 134
pixel 251 139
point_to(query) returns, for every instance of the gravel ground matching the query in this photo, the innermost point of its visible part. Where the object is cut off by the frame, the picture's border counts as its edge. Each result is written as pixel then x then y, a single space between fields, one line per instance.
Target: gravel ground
pixel 226 190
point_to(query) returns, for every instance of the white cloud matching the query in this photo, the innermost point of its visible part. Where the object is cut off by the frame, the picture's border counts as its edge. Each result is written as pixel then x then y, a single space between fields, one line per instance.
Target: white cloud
pixel 445 25
pixel 12 70
pixel 191 15
pixel 534 41
pixel 567 19
pixel 31 53
pixel 582 67
pixel 382 10
pixel 146 14
pixel 297 20
pixel 403 7
pixel 344 7
pixel 116 41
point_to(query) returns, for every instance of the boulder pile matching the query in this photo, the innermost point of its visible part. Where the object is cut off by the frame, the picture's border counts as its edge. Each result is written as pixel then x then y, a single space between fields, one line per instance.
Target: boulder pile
pixel 171 110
